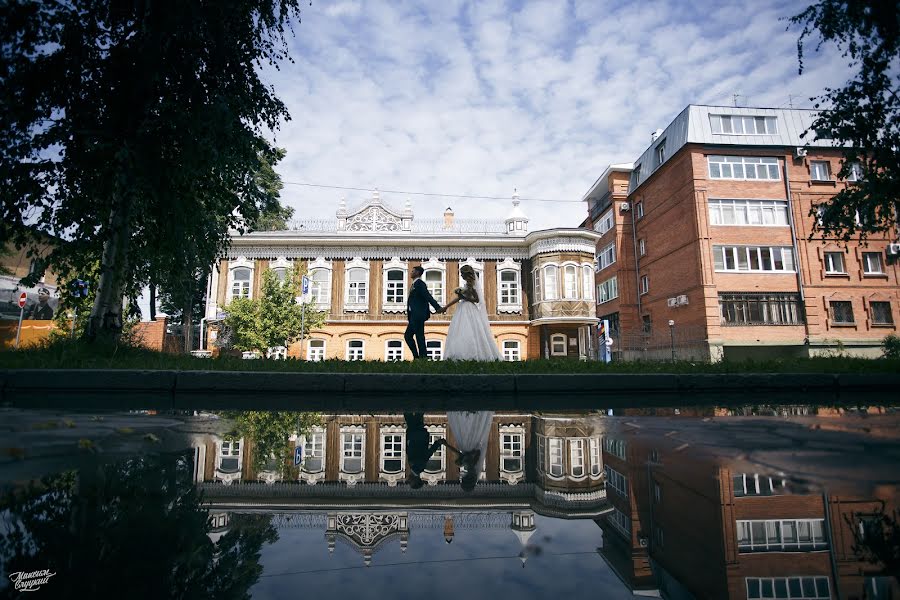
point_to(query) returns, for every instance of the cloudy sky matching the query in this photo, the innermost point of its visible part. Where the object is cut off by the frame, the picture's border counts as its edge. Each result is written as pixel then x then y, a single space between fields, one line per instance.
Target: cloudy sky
pixel 482 98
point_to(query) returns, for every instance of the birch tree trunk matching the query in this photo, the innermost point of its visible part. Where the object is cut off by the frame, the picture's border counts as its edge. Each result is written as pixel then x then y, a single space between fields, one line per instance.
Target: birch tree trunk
pixel 187 324
pixel 105 320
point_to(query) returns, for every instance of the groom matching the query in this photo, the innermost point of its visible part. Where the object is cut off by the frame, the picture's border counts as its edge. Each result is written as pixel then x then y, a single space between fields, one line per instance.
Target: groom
pixel 417 313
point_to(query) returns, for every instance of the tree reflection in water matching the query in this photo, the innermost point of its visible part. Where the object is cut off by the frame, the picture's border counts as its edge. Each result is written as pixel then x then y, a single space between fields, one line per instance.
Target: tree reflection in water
pixel 134 529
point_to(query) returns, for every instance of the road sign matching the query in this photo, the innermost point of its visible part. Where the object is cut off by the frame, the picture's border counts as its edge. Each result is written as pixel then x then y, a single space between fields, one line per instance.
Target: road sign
pixel 305 285
pixel 298 455
pixel 22 299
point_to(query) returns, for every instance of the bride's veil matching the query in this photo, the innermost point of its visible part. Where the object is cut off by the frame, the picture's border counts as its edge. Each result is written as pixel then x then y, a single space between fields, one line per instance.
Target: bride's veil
pixel 482 301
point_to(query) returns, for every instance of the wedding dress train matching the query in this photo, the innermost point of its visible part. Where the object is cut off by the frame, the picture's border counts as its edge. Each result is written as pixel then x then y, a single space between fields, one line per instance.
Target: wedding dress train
pixel 469 336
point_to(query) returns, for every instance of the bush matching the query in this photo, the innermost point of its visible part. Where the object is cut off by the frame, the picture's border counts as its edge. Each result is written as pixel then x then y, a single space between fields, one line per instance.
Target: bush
pixel 890 346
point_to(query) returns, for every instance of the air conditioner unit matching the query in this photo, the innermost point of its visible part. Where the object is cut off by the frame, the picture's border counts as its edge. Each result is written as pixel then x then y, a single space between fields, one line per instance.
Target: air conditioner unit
pixel 625 207
pixel 672 302
pixel 893 249
pixel 799 152
pixel 643 542
pixel 682 300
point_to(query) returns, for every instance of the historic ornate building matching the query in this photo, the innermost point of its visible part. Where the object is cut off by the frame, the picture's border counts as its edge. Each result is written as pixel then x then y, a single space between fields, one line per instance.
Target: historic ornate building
pixel 538 285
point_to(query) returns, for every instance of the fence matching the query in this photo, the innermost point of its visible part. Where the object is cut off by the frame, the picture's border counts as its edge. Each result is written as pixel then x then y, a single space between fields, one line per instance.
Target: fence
pixel 662 344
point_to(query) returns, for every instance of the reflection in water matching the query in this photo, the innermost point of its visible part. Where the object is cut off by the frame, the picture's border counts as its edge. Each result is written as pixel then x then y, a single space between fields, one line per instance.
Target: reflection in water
pixel 679 503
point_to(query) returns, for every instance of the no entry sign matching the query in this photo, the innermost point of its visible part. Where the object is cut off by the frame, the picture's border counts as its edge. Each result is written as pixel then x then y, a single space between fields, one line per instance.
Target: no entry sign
pixel 22 300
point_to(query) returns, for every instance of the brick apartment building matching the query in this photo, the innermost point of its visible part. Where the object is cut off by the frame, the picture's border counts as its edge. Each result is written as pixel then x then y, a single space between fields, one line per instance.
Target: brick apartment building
pixel 538 285
pixel 710 228
pixel 685 526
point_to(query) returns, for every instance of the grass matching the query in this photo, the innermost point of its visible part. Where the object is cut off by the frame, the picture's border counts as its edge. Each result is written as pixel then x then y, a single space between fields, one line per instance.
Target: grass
pixel 80 355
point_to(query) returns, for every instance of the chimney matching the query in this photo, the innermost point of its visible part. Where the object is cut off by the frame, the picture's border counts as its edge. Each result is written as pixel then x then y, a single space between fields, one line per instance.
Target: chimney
pixel 448 218
pixel 655 135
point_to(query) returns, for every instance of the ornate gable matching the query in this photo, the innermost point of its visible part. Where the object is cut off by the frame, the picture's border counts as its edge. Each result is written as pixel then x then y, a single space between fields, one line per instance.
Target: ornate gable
pixel 374 217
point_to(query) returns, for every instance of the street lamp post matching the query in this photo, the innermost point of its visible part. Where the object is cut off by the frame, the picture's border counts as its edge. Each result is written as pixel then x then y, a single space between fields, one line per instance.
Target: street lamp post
pixel 672 332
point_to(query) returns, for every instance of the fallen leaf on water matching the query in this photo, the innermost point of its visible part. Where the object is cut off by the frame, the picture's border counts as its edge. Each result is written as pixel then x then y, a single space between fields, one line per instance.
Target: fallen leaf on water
pixel 125 430
pixel 151 438
pixel 69 423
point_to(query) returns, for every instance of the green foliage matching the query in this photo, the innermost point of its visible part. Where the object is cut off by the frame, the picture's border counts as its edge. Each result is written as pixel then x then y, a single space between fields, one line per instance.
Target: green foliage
pixel 272 216
pixel 88 527
pixel 864 115
pixel 136 131
pixel 890 346
pixel 274 318
pixel 269 432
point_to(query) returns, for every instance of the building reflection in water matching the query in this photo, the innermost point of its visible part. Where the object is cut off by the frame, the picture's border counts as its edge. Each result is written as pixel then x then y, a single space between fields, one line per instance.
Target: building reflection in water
pixel 674 524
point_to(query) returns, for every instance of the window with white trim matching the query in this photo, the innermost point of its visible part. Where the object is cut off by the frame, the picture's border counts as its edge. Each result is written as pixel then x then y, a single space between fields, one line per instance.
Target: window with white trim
pixel 642 247
pixel 797 587
pixel 620 522
pixel 434 349
pixel 558 345
pixel 576 457
pixel 395 287
pixel 781 535
pixel 315 350
pixel 355 350
pixel 819 170
pixel 320 286
pixel 750 259
pixel 570 279
pixel 752 484
pixel 645 284
pixel 872 263
pixel 615 447
pixel 639 209
pixel 357 287
pixel 608 290
pixel 541 452
pixel 434 281
pixel 587 283
pixel 313 452
pixel 743 125
pixel 538 288
pixel 660 153
pixel 616 481
pixel 855 173
pixel 240 286
pixel 765 213
pixel 556 457
pixel 435 464
pixel 509 287
pixel 834 263
pixel 393 350
pixel 353 451
pixel 606 256
pixel 280 273
pixel 512 351
pixel 762 168
pixel 392 452
pixel 880 312
pixel 229 459
pixel 605 223
pixel 511 451
pixel 550 285
pixel 596 462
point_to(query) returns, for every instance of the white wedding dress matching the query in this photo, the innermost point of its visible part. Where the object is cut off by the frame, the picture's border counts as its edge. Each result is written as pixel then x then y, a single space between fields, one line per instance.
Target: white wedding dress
pixel 469 336
pixel 470 432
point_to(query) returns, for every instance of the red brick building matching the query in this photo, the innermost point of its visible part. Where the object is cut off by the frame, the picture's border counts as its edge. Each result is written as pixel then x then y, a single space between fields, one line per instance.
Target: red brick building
pixel 711 247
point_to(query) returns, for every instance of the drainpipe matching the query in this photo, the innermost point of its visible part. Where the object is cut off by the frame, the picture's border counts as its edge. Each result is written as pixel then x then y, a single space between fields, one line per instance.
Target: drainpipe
pixel 796 249
pixel 637 274
pixel 830 534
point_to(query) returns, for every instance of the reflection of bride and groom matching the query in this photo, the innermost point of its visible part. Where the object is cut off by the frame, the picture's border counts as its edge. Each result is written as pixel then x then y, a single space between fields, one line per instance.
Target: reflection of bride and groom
pixel 469 337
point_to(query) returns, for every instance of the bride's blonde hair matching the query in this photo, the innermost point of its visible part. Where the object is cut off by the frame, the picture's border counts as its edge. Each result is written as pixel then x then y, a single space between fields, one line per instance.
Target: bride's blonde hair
pixel 467 271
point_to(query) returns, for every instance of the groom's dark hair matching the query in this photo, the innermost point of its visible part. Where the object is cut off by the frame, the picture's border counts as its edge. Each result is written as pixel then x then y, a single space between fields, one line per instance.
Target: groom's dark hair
pixel 418 269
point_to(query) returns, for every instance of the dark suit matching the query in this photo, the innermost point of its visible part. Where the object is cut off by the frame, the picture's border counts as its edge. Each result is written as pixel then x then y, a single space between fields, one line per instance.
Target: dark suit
pixel 417 313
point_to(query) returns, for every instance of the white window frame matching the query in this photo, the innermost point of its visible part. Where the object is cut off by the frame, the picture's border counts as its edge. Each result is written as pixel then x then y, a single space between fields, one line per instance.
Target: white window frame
pixel 617 481
pixel 577 454
pixel 743 124
pixel 360 299
pixel 718 165
pixel 350 434
pixel 741 258
pixel 604 223
pixel 541 453
pixel 596 460
pixel 555 457
pixel 767 587
pixel 587 282
pixel 512 447
pixel 660 153
pixel 608 290
pixel 639 209
pixel 435 433
pixel 390 353
pixel 834 263
pixel 355 353
pixel 748 212
pixel 642 247
pixel 616 447
pixel 550 284
pixel 314 446
pixel 606 256
pixel 574 292
pixel 396 287
pixel 230 448
pixel 814 527
pixel 868 264
pixel 513 290
pixel 430 351
pixel 855 173
pixel 820 170
pixel 320 290
pixel 620 522
pixel 314 354
pixel 645 284
pixel 246 288
pixel 536 276
pixel 393 444
pixel 512 350
pixel 557 338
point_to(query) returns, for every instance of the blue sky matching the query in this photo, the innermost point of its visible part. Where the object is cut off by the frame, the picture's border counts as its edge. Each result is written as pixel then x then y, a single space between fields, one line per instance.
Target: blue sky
pixel 485 97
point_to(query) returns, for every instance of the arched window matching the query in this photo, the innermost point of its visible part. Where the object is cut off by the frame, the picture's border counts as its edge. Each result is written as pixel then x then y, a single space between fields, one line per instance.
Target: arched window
pixel 576 457
pixel 395 287
pixel 315 350
pixel 558 343
pixel 596 466
pixel 355 350
pixel 434 349
pixel 313 451
pixel 353 443
pixel 280 273
pixel 434 281
pixel 556 457
pixel 588 283
pixel 512 449
pixel 509 287
pixel 538 291
pixel 240 286
pixel 570 280
pixel 393 350
pixel 357 287
pixel 392 451
pixel 320 287
pixel 550 282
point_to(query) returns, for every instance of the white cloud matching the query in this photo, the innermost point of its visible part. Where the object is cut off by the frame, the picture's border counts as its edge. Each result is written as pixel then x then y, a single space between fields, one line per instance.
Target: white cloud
pixel 478 98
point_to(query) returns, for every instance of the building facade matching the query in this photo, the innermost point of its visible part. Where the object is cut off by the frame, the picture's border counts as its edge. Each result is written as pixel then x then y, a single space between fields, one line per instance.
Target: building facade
pixel 712 249
pixel 538 285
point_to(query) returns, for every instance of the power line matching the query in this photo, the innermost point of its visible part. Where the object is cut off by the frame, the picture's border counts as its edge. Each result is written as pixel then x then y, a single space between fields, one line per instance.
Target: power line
pixel 436 195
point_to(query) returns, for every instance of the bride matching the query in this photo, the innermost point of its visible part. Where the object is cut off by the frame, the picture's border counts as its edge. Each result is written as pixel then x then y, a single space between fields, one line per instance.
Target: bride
pixel 469 336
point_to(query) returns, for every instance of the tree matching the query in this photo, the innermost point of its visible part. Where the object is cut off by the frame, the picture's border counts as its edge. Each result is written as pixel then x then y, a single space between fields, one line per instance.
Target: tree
pixel 270 432
pixel 273 319
pixel 125 125
pixel 863 116
pixel 273 216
